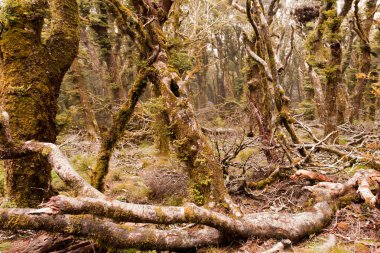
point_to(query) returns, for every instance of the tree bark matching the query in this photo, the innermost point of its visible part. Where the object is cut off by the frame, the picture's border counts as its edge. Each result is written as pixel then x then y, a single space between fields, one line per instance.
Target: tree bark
pixel 91 123
pixel 119 124
pixel 364 28
pixel 109 233
pixel 31 75
pixel 102 37
pixel 333 69
pixel 259 104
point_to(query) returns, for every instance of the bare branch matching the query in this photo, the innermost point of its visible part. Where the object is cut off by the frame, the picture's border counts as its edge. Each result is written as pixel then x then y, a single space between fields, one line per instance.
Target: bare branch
pixel 291 49
pixel 272 10
pixel 238 7
pixel 63 168
pixel 346 8
pixel 251 20
pixel 359 29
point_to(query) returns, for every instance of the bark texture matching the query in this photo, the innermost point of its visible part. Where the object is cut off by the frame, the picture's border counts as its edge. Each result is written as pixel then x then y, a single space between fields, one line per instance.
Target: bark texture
pixel 31 74
pixel 363 28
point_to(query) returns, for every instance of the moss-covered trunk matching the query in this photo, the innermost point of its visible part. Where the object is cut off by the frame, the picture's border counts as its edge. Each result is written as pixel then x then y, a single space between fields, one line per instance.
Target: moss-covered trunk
pixel 364 28
pixel 117 129
pixel 259 106
pixel 332 71
pixel 192 146
pixel 31 74
pixel 101 29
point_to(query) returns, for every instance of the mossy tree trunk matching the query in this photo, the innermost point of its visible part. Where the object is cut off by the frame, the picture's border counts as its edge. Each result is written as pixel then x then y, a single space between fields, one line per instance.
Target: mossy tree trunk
pixel 31 75
pixel 223 60
pixel 192 146
pixel 260 106
pixel 363 28
pixel 328 27
pixel 103 38
pixel 271 66
pixel 104 116
pixel 116 131
pixel 334 88
pixel 202 77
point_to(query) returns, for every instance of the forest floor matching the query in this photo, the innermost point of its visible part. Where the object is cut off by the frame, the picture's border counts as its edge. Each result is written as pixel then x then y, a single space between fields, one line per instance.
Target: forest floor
pixel 139 174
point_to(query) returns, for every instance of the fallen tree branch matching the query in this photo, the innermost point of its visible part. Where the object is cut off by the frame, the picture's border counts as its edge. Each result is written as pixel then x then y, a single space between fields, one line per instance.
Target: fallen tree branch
pixel 63 168
pixel 262 225
pixel 297 164
pixel 279 247
pixel 128 212
pixel 58 161
pixel 308 130
pixel 109 233
pixel 218 131
pixel 370 161
pixel 364 180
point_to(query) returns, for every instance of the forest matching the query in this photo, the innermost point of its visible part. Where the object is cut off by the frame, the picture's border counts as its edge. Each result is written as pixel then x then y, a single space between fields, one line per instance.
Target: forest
pixel 209 126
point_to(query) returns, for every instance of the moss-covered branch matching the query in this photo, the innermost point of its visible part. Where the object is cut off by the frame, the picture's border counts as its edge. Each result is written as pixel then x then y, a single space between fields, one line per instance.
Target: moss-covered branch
pixel 109 233
pixel 117 129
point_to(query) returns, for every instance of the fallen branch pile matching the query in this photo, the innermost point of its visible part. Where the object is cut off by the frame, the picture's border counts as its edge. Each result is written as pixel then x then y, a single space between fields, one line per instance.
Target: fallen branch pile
pixel 132 225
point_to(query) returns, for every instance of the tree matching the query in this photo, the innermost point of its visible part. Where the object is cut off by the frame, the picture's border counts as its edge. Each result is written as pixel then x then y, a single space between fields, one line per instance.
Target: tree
pixel 32 69
pixel 363 29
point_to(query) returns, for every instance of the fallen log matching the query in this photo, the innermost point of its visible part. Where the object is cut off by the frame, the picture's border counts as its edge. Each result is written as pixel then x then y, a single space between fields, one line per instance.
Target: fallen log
pixel 109 233
pixel 63 168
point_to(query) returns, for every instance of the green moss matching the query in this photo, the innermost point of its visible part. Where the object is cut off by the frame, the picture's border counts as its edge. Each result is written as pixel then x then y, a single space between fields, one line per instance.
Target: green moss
pixel 173 201
pixel 197 196
pixel 199 162
pixel 245 154
pixel 130 189
pixel 5 246
pixel 357 167
pixel 181 61
pixel 198 190
pixel 156 109
pixel 8 204
pixel 83 163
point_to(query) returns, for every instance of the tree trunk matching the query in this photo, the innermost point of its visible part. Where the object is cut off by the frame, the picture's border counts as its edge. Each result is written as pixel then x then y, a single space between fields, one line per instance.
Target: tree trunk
pixel 202 78
pixel 364 58
pixel 80 81
pixel 116 131
pixel 102 35
pixel 192 146
pixel 259 105
pixel 318 91
pixel 31 75
pixel 333 78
